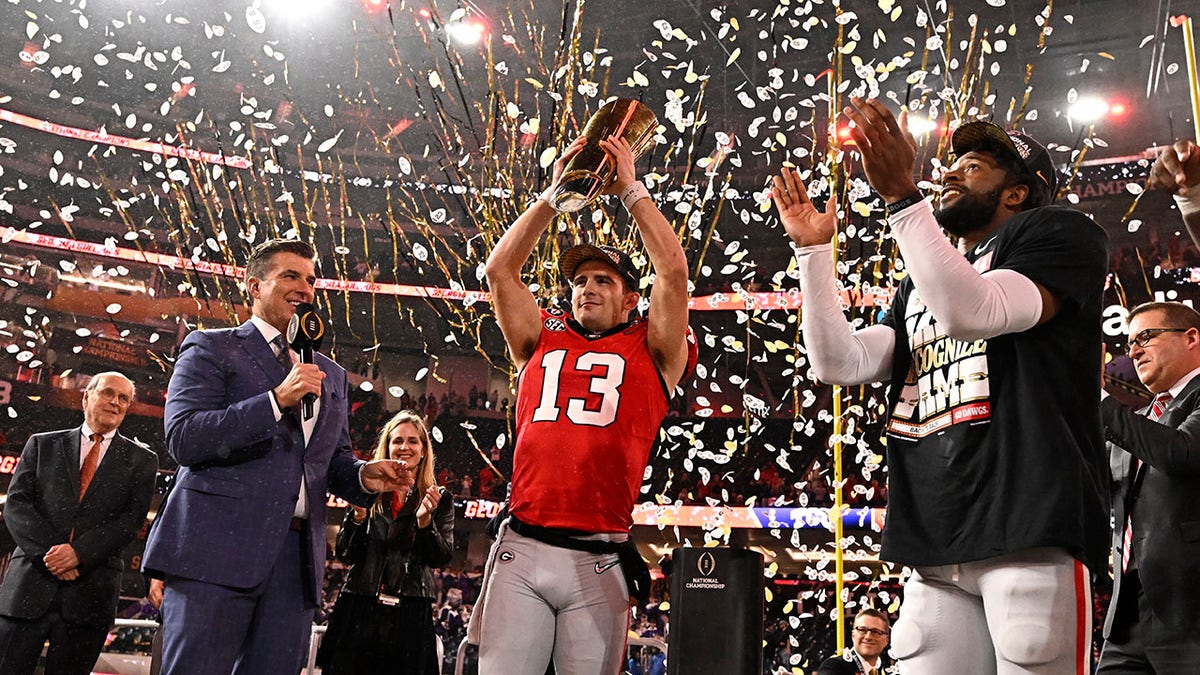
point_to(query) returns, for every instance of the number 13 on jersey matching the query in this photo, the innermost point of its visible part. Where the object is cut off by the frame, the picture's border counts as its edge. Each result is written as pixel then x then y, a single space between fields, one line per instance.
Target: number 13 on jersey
pixel 607 372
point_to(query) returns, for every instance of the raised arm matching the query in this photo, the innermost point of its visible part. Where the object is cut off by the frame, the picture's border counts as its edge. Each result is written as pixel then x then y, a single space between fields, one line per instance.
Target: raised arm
pixel 968 305
pixel 1173 450
pixel 516 308
pixel 1177 171
pixel 668 314
pixel 837 355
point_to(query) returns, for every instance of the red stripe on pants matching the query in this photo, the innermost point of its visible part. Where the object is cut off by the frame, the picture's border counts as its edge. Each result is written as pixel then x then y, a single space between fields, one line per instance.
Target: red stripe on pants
pixel 1083 608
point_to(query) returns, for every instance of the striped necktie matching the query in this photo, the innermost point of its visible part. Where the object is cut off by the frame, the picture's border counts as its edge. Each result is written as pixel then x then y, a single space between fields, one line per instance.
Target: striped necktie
pixel 283 353
pixel 1157 408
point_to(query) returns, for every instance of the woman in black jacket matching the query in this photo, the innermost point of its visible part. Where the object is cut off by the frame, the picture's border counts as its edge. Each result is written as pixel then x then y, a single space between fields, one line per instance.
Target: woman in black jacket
pixel 383 619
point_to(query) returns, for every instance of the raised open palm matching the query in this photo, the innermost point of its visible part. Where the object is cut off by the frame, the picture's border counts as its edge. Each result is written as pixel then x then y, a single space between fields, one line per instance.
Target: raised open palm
pixel 803 222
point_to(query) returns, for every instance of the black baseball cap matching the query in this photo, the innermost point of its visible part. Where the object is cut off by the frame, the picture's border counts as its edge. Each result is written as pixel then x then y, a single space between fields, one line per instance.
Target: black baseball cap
pixel 984 135
pixel 572 258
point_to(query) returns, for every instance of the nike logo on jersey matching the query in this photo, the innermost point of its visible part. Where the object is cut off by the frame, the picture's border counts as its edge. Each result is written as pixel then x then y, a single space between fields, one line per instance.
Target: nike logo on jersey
pixel 601 569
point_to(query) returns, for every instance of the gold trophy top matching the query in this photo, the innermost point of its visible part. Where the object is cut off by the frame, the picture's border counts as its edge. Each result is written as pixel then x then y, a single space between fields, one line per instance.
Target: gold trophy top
pixel 592 169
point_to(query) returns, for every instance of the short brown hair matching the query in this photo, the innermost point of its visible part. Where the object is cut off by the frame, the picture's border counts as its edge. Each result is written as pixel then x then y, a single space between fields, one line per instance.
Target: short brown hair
pixel 259 262
pixel 872 612
pixel 1176 314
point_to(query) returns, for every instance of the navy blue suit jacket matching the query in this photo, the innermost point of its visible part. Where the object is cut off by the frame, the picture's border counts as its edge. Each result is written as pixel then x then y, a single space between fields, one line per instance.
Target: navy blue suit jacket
pixel 43 509
pixel 239 469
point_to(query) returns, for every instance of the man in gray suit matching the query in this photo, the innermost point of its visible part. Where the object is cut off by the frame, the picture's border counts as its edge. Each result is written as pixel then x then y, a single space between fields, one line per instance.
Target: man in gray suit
pixel 1153 622
pixel 77 498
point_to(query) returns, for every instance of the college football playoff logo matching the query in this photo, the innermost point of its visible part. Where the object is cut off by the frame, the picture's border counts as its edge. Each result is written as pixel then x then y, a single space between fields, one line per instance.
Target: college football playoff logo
pixel 706 564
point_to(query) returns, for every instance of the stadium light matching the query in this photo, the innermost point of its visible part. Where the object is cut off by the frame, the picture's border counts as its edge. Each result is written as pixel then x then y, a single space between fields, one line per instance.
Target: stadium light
pixel 466 32
pixel 1088 109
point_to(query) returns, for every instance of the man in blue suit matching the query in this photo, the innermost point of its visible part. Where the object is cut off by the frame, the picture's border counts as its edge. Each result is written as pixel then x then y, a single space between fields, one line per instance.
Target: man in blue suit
pixel 241 542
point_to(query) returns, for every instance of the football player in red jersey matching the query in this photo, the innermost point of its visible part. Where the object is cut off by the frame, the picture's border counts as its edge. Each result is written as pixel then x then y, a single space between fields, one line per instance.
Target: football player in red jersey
pixel 592 393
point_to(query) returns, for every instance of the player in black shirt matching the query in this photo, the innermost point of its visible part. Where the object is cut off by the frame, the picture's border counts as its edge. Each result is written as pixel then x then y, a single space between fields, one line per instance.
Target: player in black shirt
pixel 997 471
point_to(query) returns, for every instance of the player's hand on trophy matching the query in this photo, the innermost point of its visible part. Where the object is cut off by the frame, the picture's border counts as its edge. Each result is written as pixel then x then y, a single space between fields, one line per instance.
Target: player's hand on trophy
pixel 567 153
pixel 619 151
pixel 803 222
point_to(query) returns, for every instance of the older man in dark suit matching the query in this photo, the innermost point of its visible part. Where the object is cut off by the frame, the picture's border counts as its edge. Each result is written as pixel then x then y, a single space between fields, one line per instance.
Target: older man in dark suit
pixel 241 541
pixel 1153 623
pixel 77 498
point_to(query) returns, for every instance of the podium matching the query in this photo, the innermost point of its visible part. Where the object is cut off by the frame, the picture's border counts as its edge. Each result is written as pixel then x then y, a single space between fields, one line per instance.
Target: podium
pixel 717 605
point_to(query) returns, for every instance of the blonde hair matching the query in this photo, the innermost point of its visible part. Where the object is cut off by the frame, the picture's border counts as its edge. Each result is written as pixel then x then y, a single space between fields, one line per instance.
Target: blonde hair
pixel 424 475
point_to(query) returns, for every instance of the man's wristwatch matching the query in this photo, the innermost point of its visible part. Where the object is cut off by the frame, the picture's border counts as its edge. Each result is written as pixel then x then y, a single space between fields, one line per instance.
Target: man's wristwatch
pixel 896 207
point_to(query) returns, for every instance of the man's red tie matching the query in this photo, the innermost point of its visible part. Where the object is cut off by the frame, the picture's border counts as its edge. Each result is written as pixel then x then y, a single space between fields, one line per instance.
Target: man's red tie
pixel 88 470
pixel 1156 410
pixel 1159 405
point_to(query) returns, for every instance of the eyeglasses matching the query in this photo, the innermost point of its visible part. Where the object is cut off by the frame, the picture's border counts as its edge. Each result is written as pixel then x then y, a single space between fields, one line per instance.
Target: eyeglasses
pixel 1144 337
pixel 110 394
pixel 871 631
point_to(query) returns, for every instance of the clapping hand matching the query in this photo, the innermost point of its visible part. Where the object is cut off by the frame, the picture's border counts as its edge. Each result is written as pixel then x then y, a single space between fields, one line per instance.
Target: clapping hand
pixel 803 222
pixel 888 150
pixel 429 502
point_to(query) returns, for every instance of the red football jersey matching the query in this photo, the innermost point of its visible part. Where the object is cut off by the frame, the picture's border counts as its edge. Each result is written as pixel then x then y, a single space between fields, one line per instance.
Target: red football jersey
pixel 588 412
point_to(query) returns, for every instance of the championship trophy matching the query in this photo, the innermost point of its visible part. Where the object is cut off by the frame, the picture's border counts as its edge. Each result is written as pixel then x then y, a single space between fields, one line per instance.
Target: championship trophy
pixel 590 171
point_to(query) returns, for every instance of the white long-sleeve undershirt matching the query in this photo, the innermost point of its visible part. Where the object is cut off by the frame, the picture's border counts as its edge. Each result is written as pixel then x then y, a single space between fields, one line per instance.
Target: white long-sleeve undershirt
pixel 966 304
pixel 837 354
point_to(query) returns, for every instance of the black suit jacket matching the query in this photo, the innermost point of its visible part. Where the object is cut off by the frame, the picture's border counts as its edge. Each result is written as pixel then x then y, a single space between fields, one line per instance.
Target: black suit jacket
pixel 1164 498
pixel 837 665
pixel 43 508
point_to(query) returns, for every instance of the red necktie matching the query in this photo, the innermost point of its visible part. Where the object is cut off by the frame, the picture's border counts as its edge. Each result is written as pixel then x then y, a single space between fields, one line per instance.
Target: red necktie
pixel 88 470
pixel 1159 405
pixel 1157 408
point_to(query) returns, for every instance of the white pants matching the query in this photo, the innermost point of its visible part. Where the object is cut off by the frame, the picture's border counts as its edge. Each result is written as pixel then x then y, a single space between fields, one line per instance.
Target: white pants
pixel 541 601
pixel 1025 612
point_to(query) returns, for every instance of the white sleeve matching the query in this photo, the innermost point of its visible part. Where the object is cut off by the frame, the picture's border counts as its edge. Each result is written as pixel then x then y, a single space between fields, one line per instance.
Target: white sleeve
pixel 967 305
pixel 837 355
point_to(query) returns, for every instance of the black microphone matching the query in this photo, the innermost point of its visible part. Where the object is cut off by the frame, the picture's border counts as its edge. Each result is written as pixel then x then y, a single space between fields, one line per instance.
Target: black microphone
pixel 305 331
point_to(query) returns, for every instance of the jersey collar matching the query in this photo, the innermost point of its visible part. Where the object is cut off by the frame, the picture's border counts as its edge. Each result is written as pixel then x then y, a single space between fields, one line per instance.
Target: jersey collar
pixel 578 328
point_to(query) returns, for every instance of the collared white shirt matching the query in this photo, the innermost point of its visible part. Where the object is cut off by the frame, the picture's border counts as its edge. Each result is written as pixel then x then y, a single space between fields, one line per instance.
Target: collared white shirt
pixel 85 443
pixel 269 333
pixel 1175 389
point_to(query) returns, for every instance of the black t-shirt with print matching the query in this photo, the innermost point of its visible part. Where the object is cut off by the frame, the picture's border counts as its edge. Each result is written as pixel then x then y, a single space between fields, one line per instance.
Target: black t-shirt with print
pixel 996 446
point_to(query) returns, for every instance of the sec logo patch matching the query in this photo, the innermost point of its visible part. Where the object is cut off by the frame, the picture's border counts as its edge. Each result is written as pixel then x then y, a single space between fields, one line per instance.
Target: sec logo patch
pixel 555 325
